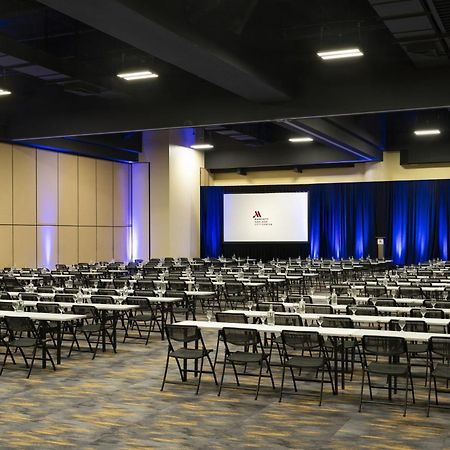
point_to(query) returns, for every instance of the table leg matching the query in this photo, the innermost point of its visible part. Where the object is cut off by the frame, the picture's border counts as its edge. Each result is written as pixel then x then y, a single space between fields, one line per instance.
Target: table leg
pixel 58 343
pixel 103 319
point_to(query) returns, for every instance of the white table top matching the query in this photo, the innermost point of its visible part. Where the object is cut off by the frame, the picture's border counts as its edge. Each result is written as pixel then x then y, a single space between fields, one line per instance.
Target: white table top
pixel 354 318
pixel 324 331
pixel 42 316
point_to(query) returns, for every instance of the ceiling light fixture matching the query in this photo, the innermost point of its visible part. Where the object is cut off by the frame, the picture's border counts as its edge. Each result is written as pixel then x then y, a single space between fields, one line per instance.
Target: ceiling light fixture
pixel 202 146
pixel 142 75
pixel 300 139
pixel 340 54
pixel 4 92
pixel 429 132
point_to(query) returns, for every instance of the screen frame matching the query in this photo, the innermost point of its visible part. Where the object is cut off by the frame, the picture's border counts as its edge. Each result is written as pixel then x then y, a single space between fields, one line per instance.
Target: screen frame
pixel 224 242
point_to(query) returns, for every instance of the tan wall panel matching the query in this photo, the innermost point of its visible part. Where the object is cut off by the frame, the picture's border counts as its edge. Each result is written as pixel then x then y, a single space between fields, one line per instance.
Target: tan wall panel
pixel 47 188
pixel 104 243
pixel 104 193
pixel 68 189
pixel 47 246
pixel 6 246
pixel 122 174
pixel 87 192
pixel 87 244
pixel 24 246
pixel 121 243
pixel 24 185
pixel 67 245
pixel 5 183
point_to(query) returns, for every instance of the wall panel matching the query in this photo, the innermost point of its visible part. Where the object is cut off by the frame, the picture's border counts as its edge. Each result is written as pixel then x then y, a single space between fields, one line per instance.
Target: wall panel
pixel 104 193
pixel 122 174
pixel 87 244
pixel 67 189
pixel 6 183
pixel 24 250
pixel 121 239
pixel 104 243
pixel 24 185
pixel 67 245
pixel 47 246
pixel 47 188
pixel 6 246
pixel 87 192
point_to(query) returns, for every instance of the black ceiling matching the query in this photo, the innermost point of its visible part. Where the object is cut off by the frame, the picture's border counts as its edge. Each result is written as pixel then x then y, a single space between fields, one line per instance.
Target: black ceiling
pixel 221 62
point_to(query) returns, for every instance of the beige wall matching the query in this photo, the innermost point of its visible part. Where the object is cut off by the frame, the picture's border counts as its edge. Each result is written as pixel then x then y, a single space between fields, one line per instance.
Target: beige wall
pixel 174 194
pixel 59 208
pixel 387 170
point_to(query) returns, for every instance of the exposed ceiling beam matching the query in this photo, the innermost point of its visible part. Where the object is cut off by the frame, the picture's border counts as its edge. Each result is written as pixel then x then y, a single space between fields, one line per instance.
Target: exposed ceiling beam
pixel 332 134
pixel 358 93
pixel 134 23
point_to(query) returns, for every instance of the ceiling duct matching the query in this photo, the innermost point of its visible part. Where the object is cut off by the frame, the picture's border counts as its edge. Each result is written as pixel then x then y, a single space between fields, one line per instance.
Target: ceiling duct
pixel 418 28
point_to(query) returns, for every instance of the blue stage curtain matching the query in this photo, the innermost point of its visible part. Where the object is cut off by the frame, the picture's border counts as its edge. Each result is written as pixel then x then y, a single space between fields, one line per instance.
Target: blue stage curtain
pixel 211 221
pixel 346 218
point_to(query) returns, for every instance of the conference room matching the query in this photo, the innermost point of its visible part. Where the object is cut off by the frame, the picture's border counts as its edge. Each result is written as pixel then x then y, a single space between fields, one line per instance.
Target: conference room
pixel 224 224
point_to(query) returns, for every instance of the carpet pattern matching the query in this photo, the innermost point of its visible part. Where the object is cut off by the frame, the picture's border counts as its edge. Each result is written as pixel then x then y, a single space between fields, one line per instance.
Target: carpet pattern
pixel 114 402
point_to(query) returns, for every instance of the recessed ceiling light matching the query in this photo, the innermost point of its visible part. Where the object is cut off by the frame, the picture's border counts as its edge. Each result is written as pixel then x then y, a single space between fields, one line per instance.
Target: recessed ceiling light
pixel 202 146
pixel 301 139
pixel 4 92
pixel 142 75
pixel 339 54
pixel 429 132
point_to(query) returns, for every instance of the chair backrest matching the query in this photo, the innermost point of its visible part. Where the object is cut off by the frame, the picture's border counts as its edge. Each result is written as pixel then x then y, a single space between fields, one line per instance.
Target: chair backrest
pixel 289 320
pixel 416 326
pixel 5 296
pixel 375 290
pixel 240 337
pixel 45 289
pixel 304 341
pixel 440 346
pixel 145 293
pixel 6 306
pixel 19 325
pixel 142 302
pixel 106 292
pixel 28 296
pixel 231 317
pixel 277 307
pixel 382 301
pixel 364 310
pixel 104 299
pixel 234 288
pixel 87 310
pixel 410 291
pixel 68 298
pixel 295 298
pixel 432 313
pixel 319 309
pixel 183 333
pixel 337 322
pixel 45 307
pixel 388 346
pixel 345 300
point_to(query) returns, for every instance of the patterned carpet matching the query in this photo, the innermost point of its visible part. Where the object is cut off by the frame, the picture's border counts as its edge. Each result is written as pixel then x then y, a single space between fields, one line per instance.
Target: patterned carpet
pixel 114 402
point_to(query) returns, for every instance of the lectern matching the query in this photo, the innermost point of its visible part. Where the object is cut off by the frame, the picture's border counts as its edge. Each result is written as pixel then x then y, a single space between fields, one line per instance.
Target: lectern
pixel 380 246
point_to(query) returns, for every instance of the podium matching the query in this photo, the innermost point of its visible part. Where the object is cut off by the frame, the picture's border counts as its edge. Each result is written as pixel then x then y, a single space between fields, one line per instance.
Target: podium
pixel 381 240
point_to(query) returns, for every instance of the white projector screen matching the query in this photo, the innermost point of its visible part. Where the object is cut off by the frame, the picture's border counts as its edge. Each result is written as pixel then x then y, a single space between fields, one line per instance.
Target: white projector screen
pixel 271 217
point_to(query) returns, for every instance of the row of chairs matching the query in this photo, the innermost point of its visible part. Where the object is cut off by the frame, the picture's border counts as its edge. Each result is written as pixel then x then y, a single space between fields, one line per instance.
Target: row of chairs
pixel 305 355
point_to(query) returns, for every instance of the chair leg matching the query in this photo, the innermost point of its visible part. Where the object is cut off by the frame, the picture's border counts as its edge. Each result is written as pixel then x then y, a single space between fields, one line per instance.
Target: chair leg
pixel 165 372
pixel 259 379
pixel 4 359
pixel 406 395
pixel 223 376
pixel 362 390
pixel 212 369
pixel 32 361
pixel 282 381
pixel 200 375
pixel 321 386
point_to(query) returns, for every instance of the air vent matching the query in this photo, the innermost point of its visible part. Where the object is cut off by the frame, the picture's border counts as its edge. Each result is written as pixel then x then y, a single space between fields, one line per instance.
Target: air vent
pixel 81 88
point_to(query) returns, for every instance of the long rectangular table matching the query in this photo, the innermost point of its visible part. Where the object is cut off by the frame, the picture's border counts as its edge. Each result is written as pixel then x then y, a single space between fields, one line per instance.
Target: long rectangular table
pixel 326 332
pixel 46 317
